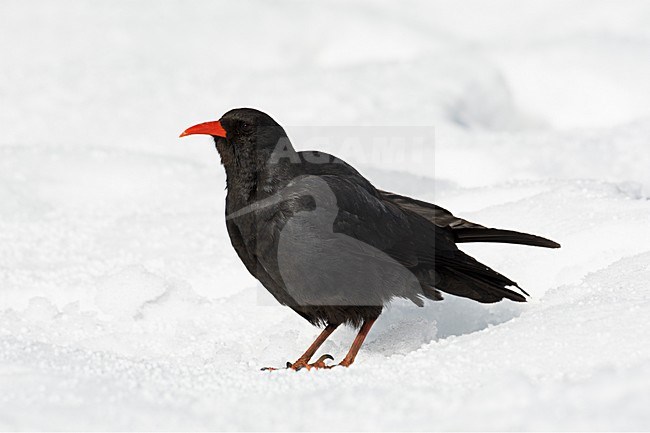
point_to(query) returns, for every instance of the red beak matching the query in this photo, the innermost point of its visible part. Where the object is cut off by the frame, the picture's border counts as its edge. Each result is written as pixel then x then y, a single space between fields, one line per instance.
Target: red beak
pixel 208 128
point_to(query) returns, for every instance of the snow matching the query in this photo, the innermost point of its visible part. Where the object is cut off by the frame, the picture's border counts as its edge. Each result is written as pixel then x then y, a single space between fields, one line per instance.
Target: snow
pixel 124 307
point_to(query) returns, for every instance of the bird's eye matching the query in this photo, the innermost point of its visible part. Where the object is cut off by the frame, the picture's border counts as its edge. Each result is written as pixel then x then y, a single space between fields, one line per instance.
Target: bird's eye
pixel 246 128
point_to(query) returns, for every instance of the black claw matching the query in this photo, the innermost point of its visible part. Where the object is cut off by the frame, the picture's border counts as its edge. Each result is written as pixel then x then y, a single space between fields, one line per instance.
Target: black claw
pixel 289 365
pixel 324 357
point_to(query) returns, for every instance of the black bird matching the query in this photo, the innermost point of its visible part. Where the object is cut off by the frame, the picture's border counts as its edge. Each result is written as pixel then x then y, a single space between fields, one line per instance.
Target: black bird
pixel 328 244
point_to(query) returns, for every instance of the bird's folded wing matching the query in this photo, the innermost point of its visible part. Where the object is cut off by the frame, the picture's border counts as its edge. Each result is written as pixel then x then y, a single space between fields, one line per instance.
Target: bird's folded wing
pixel 463 230
pixel 434 213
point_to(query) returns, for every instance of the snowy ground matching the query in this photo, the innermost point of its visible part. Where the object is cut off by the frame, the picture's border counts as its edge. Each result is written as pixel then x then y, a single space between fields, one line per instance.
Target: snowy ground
pixel 123 306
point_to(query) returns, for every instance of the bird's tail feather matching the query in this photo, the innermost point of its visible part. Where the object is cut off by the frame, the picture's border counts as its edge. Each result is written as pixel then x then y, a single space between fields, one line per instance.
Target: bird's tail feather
pixel 464 276
pixel 502 236
pixel 463 230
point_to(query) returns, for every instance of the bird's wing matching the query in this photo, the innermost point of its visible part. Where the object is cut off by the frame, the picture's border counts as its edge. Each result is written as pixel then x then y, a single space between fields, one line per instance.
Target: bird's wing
pixel 365 216
pixel 426 249
pixel 358 211
pixel 434 213
pixel 463 230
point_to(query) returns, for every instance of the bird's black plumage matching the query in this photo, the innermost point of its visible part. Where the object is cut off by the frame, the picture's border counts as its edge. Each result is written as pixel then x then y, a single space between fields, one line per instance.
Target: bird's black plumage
pixel 328 244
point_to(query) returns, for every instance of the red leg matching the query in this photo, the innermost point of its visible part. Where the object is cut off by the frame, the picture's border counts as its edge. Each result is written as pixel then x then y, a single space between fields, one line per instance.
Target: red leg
pixel 303 361
pixel 358 341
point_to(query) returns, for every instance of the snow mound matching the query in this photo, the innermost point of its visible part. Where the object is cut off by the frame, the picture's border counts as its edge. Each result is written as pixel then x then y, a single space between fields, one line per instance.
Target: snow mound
pixel 126 293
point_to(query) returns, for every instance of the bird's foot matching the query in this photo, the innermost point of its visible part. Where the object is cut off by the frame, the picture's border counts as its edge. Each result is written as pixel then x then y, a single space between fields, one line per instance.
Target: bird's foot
pixel 320 363
pixel 301 363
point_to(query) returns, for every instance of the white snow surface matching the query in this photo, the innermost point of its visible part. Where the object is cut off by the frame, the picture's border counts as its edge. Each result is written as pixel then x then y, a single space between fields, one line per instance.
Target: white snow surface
pixel 124 307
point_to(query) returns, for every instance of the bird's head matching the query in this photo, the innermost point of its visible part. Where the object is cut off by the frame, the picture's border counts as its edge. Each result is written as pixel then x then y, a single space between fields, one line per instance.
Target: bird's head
pixel 244 136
